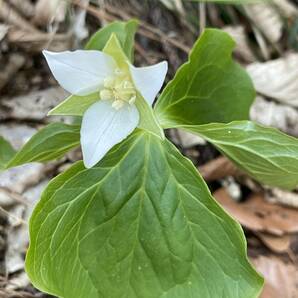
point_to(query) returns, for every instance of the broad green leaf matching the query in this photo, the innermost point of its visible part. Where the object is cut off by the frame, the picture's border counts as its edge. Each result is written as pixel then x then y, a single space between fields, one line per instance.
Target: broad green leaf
pixel 266 154
pixel 148 120
pixel 210 87
pixel 6 153
pixel 125 32
pixel 141 223
pixel 50 143
pixel 75 105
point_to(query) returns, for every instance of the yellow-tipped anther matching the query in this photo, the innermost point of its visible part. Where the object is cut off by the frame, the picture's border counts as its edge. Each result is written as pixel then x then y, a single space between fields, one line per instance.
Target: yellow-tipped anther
pixel 132 100
pixel 109 82
pixel 118 104
pixel 106 94
pixel 128 85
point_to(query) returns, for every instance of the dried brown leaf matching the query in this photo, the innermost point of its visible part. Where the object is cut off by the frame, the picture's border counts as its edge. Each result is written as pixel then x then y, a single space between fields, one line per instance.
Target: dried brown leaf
pixel 218 168
pixel 278 244
pixel 258 215
pixel 280 278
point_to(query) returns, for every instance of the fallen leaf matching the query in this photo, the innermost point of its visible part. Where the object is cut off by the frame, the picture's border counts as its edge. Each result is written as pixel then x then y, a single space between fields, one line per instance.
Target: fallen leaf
pixel 274 114
pixel 240 36
pixel 80 28
pixel 266 19
pixel 233 188
pixel 23 6
pixel 48 11
pixel 258 215
pixel 277 79
pixel 277 195
pixel 12 17
pixel 3 30
pixel 287 8
pixel 19 281
pixel 18 237
pixel 174 5
pixel 218 168
pixel 280 278
pixel 185 139
pixel 38 41
pixel 14 63
pixel 278 244
pixel 33 106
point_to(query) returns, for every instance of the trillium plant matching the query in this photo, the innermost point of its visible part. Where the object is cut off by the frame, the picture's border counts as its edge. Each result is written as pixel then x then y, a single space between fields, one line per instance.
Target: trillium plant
pixel 116 84
pixel 134 218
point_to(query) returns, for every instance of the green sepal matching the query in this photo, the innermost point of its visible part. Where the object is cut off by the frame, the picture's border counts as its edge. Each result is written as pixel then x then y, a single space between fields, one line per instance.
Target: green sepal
pixel 74 105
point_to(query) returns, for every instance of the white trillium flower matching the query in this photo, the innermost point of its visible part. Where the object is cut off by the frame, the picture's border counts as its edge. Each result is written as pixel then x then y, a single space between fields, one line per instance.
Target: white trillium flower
pixel 112 118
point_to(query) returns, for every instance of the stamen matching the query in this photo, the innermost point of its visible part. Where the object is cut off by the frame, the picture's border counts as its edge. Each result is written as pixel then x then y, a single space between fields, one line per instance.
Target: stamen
pixel 109 82
pixel 132 100
pixel 118 104
pixel 106 94
pixel 120 90
pixel 127 85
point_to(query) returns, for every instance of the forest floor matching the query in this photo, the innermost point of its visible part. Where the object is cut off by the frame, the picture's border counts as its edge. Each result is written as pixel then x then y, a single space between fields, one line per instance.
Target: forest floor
pixel 267 46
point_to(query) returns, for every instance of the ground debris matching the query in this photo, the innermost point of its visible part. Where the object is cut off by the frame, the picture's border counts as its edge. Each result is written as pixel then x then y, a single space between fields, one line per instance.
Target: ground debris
pixel 257 214
pixel 274 114
pixel 32 106
pixel 277 79
pixel 280 277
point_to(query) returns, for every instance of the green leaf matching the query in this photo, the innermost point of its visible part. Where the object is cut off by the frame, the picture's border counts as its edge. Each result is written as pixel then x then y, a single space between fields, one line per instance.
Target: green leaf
pixel 210 87
pixel 266 154
pixel 125 32
pixel 75 105
pixel 6 153
pixel 50 143
pixel 141 223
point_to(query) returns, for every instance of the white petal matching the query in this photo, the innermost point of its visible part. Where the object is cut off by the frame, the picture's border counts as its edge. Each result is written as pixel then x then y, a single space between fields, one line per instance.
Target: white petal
pixel 103 127
pixel 148 80
pixel 80 72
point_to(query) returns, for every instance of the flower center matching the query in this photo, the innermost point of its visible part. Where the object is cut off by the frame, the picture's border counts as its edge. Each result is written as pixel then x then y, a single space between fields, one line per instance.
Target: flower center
pixel 119 89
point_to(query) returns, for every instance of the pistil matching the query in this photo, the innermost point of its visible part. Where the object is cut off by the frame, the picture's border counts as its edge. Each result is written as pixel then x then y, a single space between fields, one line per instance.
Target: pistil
pixel 119 89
